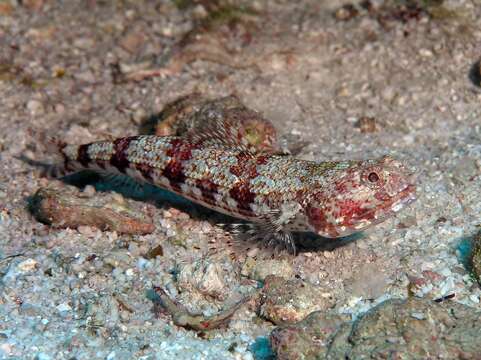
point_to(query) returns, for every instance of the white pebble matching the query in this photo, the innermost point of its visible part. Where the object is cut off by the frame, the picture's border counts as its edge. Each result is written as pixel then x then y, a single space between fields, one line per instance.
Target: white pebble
pixel 63 308
pixel 35 107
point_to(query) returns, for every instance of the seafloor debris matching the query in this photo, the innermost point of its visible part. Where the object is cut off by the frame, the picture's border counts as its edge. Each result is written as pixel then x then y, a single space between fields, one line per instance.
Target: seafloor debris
pixel 182 317
pixel 389 11
pixel 216 37
pixel 394 329
pixel 67 208
pixel 288 301
pixel 367 124
pixel 346 12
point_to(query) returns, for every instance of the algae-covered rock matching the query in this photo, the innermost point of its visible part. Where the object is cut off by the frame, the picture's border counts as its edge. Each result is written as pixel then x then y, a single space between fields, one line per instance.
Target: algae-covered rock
pixel 308 339
pixel 288 301
pixel 395 329
pixel 476 256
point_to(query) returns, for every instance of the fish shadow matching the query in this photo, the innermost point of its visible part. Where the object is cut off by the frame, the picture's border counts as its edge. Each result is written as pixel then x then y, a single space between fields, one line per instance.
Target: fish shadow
pixel 310 242
pixel 130 188
pixel 145 192
pixel 474 74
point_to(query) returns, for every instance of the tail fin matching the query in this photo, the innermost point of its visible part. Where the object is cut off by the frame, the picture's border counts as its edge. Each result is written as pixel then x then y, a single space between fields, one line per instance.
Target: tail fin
pixel 56 147
pixel 53 147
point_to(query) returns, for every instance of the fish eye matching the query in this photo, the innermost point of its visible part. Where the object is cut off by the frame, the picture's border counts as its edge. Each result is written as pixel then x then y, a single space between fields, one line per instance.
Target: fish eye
pixel 373 177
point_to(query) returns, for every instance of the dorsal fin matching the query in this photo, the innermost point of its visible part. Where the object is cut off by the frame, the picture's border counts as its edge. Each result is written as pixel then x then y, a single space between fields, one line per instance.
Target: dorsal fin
pixel 220 133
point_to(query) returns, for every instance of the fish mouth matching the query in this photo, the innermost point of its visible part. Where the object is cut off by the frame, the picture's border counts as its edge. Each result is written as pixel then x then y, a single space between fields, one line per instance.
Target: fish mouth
pixel 398 202
pixel 376 215
pixel 402 199
pixel 388 209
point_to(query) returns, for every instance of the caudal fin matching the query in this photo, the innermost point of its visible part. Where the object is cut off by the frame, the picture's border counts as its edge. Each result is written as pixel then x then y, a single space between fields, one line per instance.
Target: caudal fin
pixel 54 164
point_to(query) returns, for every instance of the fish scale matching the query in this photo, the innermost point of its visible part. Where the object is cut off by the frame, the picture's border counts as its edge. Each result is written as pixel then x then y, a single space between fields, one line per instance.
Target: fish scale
pixel 282 193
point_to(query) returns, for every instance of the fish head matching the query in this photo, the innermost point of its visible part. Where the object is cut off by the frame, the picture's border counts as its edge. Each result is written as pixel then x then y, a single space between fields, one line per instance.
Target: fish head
pixel 357 195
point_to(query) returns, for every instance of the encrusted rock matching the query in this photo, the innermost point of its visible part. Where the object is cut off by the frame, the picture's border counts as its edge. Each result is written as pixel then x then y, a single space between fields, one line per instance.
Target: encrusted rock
pixel 476 256
pixel 69 209
pixel 400 329
pixel 260 269
pixel 288 301
pixel 308 339
pixel 207 277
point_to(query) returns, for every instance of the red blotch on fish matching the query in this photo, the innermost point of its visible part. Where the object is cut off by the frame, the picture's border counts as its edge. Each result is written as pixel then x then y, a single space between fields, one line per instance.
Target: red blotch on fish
pixel 318 220
pixel 241 193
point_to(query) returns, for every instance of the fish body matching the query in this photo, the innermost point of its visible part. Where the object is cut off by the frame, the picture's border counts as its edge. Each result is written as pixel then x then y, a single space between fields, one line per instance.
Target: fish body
pixel 279 192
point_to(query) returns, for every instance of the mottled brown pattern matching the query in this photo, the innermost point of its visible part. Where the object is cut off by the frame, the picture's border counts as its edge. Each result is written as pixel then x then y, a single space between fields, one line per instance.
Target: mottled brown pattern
pixel 319 221
pixel 145 170
pixel 246 166
pixel 180 149
pixel 119 159
pixel 352 210
pixel 174 172
pixel 262 159
pixel 208 189
pixel 241 193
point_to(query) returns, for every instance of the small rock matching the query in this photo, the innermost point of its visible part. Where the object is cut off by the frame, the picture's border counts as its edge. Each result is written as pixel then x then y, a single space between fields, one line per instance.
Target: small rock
pixel 139 116
pixel 388 93
pixel 154 252
pixel 59 108
pixel 117 259
pixel 27 266
pixel 288 301
pixel 200 12
pixel 84 43
pixel 429 282
pixel 88 191
pixel 35 107
pixel 466 169
pixel 425 53
pixel 132 42
pixel 260 269
pixel 63 308
pixel 19 268
pixel 87 231
pixel 58 72
pixel 406 221
pixel 85 77
pixel 346 12
pixel 129 272
pixel 203 276
pixel 367 124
